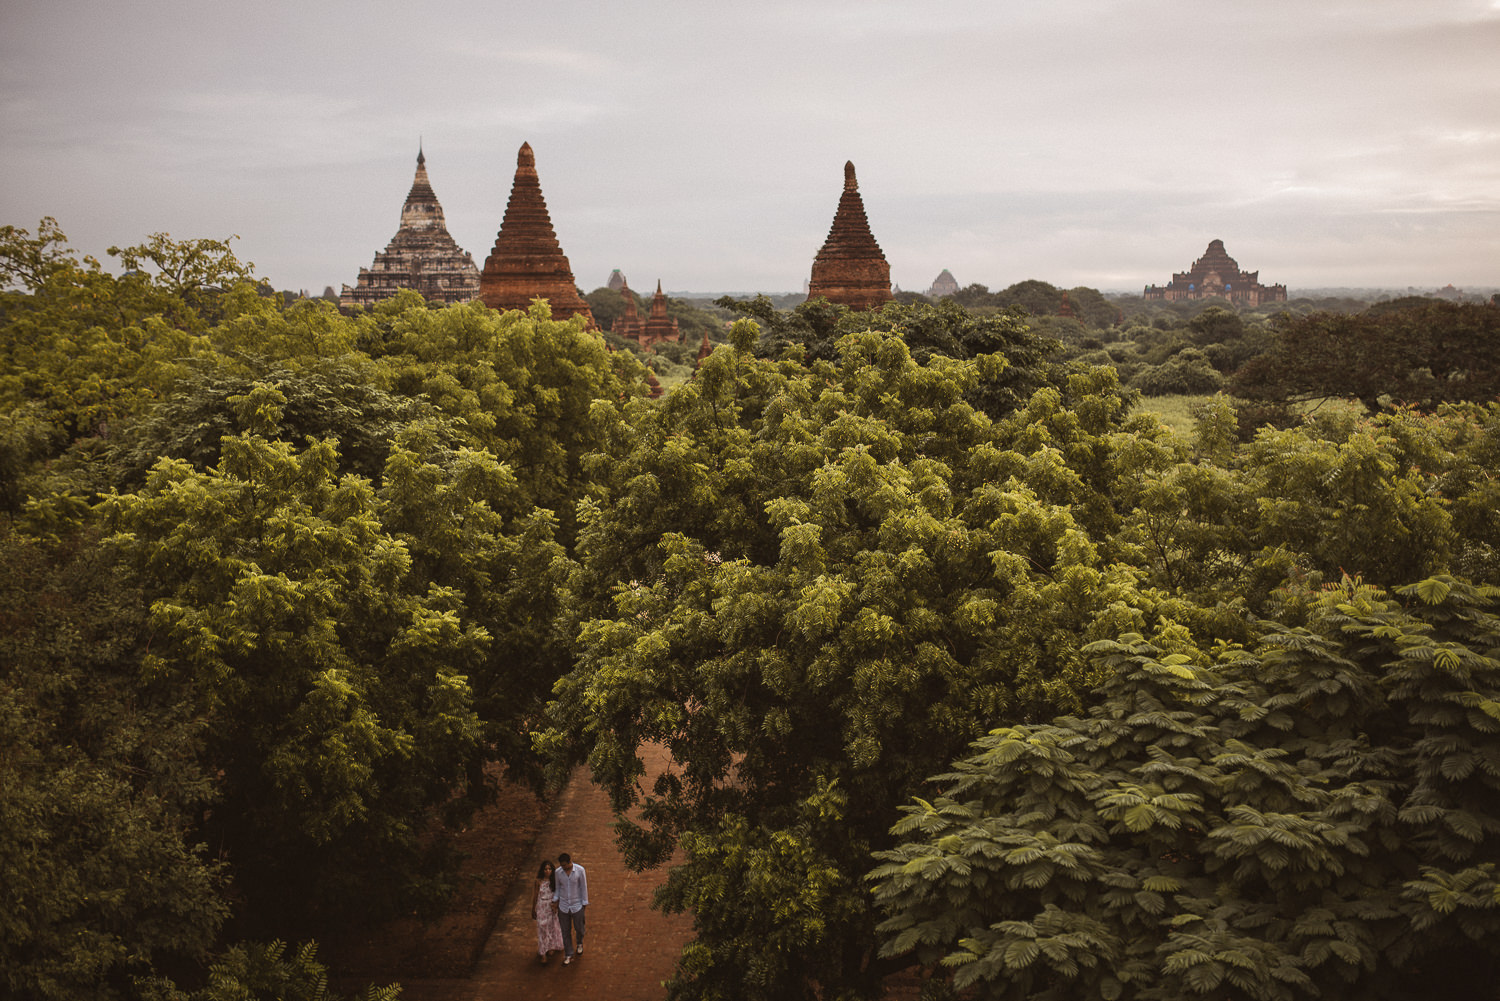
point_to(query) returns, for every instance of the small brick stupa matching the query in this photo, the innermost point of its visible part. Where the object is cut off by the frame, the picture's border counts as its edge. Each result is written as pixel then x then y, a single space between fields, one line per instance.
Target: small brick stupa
pixel 421 256
pixel 656 327
pixel 851 269
pixel 628 323
pixel 527 262
pixel 659 326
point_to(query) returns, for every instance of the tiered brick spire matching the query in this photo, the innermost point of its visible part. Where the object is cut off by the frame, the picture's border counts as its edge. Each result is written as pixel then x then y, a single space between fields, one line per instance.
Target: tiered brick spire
pixel 421 256
pixel 527 262
pixel 629 322
pixel 660 326
pixel 851 269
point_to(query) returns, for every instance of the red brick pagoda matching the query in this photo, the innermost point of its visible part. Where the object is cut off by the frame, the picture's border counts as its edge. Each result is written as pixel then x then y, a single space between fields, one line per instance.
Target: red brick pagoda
pixel 421 256
pixel 851 269
pixel 527 262
pixel 1216 274
pixel 655 328
pixel 628 323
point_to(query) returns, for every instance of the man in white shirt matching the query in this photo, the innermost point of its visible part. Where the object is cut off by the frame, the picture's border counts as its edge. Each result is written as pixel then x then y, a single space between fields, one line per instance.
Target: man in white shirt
pixel 572 902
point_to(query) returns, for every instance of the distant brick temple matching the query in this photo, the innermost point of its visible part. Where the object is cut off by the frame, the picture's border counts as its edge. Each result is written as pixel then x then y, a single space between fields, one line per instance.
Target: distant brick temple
pixel 421 256
pixel 616 280
pixel 527 262
pixel 655 328
pixel 1216 274
pixel 851 269
pixel 943 284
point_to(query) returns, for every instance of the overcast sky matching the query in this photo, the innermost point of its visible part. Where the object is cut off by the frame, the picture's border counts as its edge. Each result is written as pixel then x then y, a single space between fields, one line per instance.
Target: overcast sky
pixel 1082 142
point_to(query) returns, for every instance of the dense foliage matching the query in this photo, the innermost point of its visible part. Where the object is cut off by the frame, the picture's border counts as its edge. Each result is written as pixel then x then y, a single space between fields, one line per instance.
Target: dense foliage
pixel 1314 817
pixel 1422 352
pixel 281 584
pixel 284 582
pixel 798 587
pixel 100 776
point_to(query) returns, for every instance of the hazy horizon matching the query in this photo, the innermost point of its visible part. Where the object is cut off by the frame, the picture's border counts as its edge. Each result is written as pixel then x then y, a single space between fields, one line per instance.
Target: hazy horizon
pixel 1313 291
pixel 1087 142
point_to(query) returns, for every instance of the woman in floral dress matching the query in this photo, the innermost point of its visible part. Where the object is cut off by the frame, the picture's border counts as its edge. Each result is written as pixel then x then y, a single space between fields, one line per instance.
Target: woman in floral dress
pixel 544 910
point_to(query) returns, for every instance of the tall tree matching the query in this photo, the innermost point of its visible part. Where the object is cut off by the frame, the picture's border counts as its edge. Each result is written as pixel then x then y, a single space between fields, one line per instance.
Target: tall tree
pixel 334 678
pixel 813 584
pixel 101 785
pixel 91 348
pixel 538 393
pixel 1013 357
pixel 1424 354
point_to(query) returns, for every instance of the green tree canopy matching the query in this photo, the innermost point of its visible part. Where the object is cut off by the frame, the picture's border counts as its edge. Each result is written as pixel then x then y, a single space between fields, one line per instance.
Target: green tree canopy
pixel 1314 817
pixel 100 785
pixel 343 641
pixel 813 584
pixel 90 348
pixel 520 385
pixel 1426 353
pixel 338 398
pixel 1017 356
pixel 337 541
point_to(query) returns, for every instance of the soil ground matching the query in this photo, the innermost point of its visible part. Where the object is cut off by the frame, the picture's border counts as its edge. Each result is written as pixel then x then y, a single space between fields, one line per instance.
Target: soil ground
pixel 498 849
pixel 484 948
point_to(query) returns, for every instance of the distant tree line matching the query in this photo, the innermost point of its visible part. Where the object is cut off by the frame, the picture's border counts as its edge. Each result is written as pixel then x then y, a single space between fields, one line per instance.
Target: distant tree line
pixel 1275 358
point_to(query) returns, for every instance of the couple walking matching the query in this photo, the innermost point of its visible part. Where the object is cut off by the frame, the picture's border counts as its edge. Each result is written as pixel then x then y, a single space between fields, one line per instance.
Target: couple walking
pixel 558 905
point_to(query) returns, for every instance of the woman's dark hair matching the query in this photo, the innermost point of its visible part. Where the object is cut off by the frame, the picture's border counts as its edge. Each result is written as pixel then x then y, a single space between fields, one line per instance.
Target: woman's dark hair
pixel 541 871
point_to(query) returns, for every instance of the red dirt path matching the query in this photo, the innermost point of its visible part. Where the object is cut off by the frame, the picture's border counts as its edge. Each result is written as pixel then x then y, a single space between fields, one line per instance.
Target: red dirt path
pixel 631 949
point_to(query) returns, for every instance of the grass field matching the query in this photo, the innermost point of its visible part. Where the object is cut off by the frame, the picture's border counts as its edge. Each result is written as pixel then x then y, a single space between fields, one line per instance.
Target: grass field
pixel 1176 412
pixel 671 382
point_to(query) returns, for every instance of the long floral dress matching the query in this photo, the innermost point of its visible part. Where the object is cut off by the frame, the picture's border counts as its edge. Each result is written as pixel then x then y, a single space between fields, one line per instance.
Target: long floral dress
pixel 548 932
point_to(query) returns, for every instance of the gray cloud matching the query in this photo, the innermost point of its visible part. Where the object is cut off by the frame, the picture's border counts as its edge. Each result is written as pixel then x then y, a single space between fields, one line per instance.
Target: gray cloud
pixel 1087 141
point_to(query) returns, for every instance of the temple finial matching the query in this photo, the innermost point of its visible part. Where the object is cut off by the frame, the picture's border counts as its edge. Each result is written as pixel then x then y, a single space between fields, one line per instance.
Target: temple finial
pixel 850 184
pixel 420 158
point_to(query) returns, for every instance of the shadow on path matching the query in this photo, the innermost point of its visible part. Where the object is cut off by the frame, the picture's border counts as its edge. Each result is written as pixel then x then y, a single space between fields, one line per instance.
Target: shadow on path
pixel 630 949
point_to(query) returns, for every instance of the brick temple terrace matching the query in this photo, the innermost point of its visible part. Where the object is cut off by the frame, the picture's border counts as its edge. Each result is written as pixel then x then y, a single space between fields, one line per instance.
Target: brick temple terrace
pixel 1217 275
